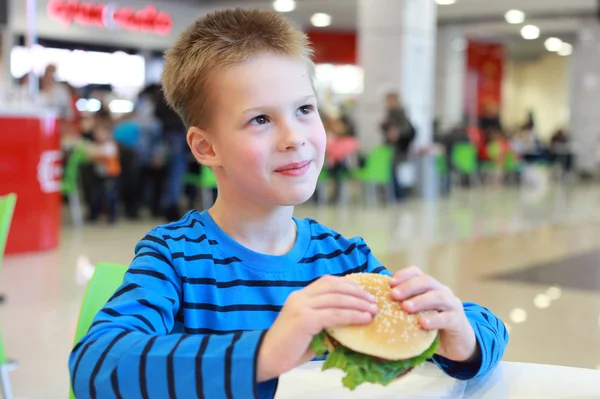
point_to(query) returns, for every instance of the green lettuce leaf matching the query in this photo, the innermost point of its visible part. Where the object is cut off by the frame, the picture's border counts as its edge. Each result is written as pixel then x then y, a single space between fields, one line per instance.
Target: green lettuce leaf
pixel 317 345
pixel 361 368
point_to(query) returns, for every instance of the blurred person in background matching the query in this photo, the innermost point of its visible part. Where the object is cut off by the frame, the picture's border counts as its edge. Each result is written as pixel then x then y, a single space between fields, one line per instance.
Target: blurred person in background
pixel 340 147
pixel 103 152
pixel 73 126
pixel 174 132
pixel 152 150
pixel 56 95
pixel 560 150
pixel 127 136
pixel 532 146
pixel 398 133
pixel 448 139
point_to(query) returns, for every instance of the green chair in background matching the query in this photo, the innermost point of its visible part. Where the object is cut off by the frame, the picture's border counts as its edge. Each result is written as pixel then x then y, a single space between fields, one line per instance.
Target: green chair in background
pixel 376 172
pixel 7 208
pixel 104 282
pixel 464 159
pixel 206 182
pixel 70 183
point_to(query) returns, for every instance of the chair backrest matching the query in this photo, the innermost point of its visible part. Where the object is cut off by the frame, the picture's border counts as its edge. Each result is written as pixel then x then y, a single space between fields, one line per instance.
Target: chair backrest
pixel 378 165
pixel 441 164
pixel 511 162
pixel 71 173
pixel 464 157
pixel 494 150
pixel 207 178
pixel 7 208
pixel 104 282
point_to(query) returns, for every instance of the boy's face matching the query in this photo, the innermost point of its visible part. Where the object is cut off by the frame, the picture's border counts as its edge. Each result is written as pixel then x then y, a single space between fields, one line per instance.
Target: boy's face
pixel 265 131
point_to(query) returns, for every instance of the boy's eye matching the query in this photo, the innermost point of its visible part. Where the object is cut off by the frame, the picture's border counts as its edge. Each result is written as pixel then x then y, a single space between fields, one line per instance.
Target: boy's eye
pixel 260 120
pixel 306 109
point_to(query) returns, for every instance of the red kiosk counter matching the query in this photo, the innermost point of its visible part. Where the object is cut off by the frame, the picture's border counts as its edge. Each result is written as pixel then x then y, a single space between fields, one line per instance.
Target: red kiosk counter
pixel 30 166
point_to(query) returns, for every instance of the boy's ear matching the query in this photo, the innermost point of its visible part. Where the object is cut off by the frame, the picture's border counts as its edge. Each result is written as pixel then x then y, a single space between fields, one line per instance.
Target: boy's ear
pixel 201 145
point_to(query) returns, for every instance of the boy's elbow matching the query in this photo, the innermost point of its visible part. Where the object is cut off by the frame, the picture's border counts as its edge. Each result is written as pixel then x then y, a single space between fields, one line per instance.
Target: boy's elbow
pixel 77 379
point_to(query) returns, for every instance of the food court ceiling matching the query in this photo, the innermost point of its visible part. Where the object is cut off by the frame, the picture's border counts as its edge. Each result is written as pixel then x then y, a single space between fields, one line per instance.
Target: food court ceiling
pixel 343 12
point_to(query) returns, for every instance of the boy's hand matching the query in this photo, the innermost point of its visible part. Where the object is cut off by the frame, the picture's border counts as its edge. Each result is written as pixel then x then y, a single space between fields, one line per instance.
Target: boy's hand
pixel 420 292
pixel 329 301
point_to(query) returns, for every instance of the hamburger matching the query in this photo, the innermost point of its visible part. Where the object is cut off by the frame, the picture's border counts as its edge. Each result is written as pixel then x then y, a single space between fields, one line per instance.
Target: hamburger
pixel 387 348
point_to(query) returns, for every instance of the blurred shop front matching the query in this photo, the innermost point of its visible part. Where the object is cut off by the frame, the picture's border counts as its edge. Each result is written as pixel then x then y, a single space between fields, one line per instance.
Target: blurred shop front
pixel 104 53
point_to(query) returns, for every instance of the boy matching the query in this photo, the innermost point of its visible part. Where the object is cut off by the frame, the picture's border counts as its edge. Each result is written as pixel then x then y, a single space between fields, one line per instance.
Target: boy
pixel 221 303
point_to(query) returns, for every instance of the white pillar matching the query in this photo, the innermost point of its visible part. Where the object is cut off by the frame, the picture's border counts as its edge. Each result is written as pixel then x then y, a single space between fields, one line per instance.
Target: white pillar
pixel 8 42
pixel 451 69
pixel 396 48
pixel 585 96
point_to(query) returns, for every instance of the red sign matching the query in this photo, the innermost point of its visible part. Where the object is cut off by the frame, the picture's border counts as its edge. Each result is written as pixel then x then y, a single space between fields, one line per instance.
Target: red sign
pixel 334 47
pixel 148 19
pixel 31 168
pixel 485 64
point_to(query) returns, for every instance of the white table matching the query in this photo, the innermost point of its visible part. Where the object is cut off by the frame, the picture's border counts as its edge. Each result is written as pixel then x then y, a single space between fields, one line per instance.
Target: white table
pixel 509 380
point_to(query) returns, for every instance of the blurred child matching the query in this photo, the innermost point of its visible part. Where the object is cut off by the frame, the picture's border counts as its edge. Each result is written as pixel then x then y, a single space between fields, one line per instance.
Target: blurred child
pixel 498 149
pixel 104 154
pixel 340 147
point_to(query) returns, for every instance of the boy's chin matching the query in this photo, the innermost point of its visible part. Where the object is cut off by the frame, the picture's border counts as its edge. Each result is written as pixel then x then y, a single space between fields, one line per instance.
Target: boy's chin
pixel 299 197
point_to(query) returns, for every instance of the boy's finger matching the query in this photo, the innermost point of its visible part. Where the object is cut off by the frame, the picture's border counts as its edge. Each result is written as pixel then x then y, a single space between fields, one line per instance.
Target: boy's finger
pixel 415 286
pixel 340 301
pixel 343 317
pixel 438 321
pixel 405 275
pixel 441 300
pixel 339 285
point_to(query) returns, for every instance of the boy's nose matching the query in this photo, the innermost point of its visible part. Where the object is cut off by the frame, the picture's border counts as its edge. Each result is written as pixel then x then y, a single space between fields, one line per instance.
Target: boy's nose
pixel 291 138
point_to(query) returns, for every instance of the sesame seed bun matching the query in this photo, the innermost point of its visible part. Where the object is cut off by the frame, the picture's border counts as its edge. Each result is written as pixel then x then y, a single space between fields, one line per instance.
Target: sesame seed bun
pixel 393 334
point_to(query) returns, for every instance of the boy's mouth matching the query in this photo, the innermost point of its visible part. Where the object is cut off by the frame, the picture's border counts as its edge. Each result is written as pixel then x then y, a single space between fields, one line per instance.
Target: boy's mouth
pixel 294 169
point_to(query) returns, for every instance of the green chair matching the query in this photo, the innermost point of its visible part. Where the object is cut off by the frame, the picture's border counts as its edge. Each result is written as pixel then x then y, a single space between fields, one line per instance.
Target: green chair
pixel 441 165
pixel 7 208
pixel 70 183
pixel 104 282
pixel 377 171
pixel 206 182
pixel 464 159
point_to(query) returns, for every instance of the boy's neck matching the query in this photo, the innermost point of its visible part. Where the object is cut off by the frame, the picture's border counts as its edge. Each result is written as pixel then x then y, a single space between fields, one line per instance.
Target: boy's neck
pixel 264 230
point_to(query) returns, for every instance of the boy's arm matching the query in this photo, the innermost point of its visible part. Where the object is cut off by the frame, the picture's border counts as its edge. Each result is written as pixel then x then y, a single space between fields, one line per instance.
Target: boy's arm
pixel 492 337
pixel 490 332
pixel 129 353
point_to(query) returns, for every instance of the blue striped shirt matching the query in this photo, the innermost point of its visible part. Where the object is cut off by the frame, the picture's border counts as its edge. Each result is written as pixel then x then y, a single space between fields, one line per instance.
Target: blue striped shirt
pixel 194 306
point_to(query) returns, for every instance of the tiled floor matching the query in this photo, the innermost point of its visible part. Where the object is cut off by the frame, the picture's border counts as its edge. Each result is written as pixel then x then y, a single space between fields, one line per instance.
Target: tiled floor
pixel 530 256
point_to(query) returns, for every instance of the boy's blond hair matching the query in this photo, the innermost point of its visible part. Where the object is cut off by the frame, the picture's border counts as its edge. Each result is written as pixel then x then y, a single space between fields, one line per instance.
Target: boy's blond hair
pixel 219 40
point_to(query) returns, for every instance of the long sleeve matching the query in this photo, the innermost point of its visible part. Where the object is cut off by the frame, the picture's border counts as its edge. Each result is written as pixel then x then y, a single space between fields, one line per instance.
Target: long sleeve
pixel 490 332
pixel 131 352
pixel 492 337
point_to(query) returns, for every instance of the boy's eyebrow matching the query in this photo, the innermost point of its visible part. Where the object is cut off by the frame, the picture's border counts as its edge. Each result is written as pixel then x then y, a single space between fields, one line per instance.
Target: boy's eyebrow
pixel 299 101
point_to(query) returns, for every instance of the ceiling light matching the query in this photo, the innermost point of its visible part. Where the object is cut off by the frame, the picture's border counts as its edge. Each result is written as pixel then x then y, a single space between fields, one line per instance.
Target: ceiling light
pixel 518 316
pixel 565 50
pixel 541 301
pixel 284 5
pixel 321 20
pixel 445 2
pixel 530 32
pixel 553 44
pixel 514 17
